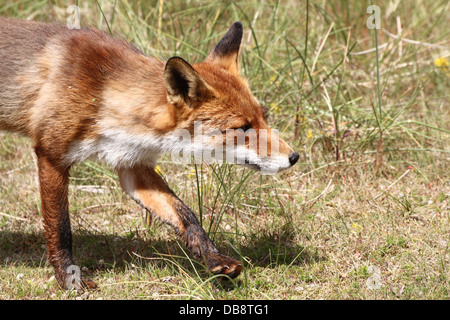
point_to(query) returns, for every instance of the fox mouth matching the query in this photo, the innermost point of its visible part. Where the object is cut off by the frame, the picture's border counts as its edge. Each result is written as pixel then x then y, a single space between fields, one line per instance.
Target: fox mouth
pixel 266 168
pixel 253 166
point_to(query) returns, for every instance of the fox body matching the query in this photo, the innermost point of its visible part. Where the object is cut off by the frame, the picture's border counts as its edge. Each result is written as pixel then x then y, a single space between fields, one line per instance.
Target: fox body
pixel 81 93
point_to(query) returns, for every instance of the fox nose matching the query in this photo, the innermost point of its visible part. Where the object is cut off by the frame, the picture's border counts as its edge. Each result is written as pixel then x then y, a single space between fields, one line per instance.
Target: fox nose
pixel 293 158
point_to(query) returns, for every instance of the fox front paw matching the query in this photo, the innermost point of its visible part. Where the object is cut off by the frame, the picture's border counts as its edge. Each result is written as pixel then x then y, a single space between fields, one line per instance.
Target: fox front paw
pixel 225 265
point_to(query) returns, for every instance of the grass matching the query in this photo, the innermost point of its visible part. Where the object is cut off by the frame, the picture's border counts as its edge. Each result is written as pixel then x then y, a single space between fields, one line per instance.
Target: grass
pixel 370 192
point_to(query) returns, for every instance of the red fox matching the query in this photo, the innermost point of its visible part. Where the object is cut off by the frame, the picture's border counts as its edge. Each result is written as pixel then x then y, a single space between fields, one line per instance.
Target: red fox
pixel 81 93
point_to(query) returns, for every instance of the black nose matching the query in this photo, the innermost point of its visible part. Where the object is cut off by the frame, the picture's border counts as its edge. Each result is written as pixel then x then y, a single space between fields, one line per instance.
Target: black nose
pixel 293 158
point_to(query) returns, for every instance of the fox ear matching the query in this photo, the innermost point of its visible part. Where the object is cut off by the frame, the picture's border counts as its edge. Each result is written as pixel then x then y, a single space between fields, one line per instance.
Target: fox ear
pixel 184 84
pixel 226 52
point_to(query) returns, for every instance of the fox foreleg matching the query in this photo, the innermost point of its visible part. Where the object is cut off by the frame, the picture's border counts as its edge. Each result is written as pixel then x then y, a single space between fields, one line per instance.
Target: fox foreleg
pixel 147 188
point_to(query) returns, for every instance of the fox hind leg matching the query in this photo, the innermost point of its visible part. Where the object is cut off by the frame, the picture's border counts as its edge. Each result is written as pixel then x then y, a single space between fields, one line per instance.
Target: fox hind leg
pixel 54 183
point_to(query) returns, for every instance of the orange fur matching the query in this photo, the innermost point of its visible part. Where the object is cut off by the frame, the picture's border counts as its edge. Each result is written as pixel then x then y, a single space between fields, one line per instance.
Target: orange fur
pixel 82 93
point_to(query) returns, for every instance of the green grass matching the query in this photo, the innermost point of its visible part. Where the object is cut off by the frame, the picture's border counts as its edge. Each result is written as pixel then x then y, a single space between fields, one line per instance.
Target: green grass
pixel 371 188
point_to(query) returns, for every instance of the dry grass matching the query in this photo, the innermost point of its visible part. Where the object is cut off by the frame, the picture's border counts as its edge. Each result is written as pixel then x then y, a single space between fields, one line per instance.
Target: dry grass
pixel 309 238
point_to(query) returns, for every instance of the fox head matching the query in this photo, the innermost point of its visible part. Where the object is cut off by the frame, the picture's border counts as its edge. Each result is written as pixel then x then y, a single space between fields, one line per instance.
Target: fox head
pixel 214 105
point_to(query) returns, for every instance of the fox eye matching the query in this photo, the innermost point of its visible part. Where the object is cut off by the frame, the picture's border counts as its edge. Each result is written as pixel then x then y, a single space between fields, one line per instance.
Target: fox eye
pixel 244 127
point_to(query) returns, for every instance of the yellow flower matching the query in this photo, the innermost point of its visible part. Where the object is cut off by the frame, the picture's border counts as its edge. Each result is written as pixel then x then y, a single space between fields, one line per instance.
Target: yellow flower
pixel 439 62
pixel 275 108
pixel 192 173
pixel 158 170
pixel 309 134
pixel 442 63
pixel 273 78
pixel 357 227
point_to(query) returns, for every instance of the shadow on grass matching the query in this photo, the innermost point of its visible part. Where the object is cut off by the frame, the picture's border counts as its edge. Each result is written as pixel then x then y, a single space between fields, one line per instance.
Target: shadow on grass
pixel 272 249
pixel 103 252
